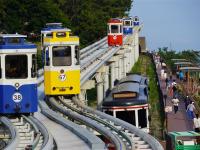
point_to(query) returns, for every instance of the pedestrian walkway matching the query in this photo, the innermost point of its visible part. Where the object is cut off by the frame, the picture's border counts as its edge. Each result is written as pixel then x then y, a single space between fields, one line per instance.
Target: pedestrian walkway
pixel 178 121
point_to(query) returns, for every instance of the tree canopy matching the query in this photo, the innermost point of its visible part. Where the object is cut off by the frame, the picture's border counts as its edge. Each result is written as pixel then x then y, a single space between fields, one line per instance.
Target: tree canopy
pixel 86 18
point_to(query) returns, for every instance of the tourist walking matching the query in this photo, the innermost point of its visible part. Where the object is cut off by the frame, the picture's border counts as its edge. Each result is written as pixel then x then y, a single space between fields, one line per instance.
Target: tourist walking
pixel 190 110
pixel 181 75
pixel 167 82
pixel 175 102
pixel 196 122
pixel 174 89
pixel 186 101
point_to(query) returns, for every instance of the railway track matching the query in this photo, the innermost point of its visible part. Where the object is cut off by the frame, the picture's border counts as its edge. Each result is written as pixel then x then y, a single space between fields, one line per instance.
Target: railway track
pixel 25 132
pixel 126 137
pixel 98 126
pixel 140 140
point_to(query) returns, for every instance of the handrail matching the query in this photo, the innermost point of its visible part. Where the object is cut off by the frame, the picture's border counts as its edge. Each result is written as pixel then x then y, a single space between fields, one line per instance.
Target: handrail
pixel 13 131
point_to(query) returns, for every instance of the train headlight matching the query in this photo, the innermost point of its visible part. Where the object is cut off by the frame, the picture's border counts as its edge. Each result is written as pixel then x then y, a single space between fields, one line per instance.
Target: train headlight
pixel 61 71
pixel 16 85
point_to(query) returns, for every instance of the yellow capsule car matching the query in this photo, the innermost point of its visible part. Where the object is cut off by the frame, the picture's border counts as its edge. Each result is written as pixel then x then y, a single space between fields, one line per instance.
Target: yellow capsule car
pixel 61 61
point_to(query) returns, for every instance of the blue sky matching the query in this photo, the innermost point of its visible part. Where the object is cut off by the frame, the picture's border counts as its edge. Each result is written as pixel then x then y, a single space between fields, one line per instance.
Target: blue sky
pixel 170 23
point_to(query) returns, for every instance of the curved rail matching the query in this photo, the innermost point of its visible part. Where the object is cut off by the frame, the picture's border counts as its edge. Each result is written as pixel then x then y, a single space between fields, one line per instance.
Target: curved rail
pixel 119 144
pixel 154 144
pixel 12 144
pixel 93 141
pixel 48 139
pixel 99 120
pixel 36 134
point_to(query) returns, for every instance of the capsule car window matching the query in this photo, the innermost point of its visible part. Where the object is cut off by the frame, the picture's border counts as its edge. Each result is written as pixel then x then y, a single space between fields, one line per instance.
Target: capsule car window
pixel 60 34
pixel 14 40
pixel 16 66
pixel 114 28
pixel 62 56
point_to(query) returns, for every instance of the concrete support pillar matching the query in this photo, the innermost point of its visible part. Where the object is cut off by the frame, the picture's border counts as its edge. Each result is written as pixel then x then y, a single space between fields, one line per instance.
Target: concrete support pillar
pixel 87 85
pixel 136 118
pixel 130 57
pixel 99 80
pixel 106 80
pixel 112 75
pixel 82 96
pixel 136 44
pixel 120 69
pixel 116 70
pixel 124 66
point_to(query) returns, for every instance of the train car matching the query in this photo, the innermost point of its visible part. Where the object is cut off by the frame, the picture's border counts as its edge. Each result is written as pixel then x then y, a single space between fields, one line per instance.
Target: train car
pixel 18 83
pixel 136 21
pixel 61 61
pixel 129 101
pixel 115 33
pixel 187 140
pixel 127 26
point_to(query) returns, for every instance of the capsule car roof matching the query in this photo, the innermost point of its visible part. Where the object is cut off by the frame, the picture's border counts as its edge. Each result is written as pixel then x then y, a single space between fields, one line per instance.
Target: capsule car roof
pixel 18 42
pixel 141 98
pixel 134 78
pixel 12 35
pixel 126 87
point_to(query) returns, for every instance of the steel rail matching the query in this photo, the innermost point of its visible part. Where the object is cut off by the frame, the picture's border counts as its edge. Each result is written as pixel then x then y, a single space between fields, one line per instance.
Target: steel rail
pixel 93 141
pixel 92 49
pixel 99 120
pixel 12 144
pixel 154 144
pixel 37 132
pixel 92 46
pixel 119 144
pixel 48 139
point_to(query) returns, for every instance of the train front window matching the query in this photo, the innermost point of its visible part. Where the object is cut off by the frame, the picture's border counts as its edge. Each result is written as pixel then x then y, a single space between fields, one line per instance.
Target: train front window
pixel 60 34
pixel 62 56
pixel 16 66
pixel 114 28
pixel 127 23
pixel 14 40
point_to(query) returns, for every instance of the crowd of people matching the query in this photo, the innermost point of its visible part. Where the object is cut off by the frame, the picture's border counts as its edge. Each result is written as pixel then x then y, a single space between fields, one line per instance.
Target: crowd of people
pixel 172 91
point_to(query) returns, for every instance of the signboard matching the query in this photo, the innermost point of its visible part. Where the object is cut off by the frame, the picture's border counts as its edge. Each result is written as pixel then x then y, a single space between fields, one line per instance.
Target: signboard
pixel 125 95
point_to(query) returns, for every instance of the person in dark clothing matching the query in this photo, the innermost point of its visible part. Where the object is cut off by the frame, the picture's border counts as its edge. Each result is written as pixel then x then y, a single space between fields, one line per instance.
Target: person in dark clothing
pixel 167 82
pixel 186 101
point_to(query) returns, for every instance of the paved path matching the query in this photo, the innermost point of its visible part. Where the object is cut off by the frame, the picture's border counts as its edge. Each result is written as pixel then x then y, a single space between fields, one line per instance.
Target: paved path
pixel 178 121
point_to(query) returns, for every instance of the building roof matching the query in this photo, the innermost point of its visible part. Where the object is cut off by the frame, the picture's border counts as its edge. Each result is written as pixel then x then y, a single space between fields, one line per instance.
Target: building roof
pixel 178 59
pixel 183 63
pixel 190 69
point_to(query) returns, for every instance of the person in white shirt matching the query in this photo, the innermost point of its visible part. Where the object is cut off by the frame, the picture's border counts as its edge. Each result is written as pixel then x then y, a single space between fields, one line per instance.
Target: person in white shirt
pixel 190 110
pixel 175 102
pixel 196 122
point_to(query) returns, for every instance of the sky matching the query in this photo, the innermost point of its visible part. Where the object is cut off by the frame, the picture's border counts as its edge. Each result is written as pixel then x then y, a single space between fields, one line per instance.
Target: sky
pixel 169 23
